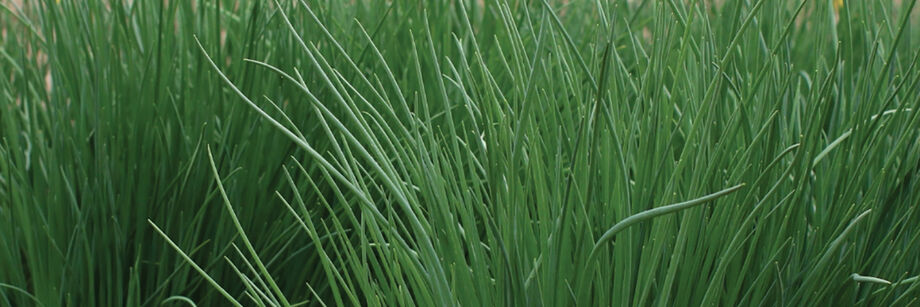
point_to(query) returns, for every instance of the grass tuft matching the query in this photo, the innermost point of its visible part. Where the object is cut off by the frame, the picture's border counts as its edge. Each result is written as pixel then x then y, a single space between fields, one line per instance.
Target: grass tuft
pixel 469 152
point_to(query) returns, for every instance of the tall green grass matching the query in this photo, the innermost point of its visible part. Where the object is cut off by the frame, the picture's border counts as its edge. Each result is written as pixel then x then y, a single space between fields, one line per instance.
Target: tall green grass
pixel 477 153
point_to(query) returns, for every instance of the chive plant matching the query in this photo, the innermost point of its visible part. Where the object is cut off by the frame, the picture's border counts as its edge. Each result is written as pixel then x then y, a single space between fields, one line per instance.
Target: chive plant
pixel 470 152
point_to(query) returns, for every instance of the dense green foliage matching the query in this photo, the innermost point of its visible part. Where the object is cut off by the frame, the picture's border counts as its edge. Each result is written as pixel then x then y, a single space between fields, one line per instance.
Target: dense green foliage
pixel 478 153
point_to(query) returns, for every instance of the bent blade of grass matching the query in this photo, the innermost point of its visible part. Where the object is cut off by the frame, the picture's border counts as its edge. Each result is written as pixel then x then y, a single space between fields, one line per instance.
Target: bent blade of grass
pixel 655 212
pixel 643 216
pixel 869 279
pixel 195 265
pixel 830 147
pixel 179 298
